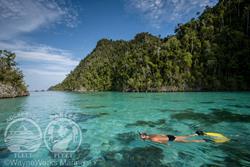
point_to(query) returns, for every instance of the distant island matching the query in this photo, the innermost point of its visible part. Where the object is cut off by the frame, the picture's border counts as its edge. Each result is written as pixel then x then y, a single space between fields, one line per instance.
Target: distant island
pixel 11 78
pixel 42 90
pixel 211 53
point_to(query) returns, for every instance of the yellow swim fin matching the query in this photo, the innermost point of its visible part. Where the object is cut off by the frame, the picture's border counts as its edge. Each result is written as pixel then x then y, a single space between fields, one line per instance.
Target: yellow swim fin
pixel 217 137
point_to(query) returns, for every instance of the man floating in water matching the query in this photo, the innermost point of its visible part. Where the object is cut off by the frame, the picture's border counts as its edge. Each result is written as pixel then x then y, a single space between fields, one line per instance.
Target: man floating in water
pixel 160 138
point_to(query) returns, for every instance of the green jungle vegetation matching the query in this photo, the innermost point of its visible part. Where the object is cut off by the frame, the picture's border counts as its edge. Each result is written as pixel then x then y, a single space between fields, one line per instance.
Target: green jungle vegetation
pixel 10 75
pixel 210 52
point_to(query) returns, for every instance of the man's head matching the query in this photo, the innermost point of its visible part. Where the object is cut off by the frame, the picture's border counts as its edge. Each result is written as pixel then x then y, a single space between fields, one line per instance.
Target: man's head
pixel 144 136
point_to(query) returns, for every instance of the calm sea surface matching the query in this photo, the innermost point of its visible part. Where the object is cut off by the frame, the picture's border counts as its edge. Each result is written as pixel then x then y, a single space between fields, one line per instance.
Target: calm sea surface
pixel 101 129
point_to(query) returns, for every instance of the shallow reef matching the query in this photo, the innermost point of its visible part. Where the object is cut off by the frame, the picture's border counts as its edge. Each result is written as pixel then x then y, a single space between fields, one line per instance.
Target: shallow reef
pixel 4 152
pixel 167 110
pixel 137 157
pixel 207 102
pixel 82 117
pixel 229 99
pixel 177 101
pixel 81 155
pixel 147 123
pixel 236 155
pixel 126 138
pixel 239 106
pixel 174 110
pixel 94 106
pixel 216 116
pixel 138 97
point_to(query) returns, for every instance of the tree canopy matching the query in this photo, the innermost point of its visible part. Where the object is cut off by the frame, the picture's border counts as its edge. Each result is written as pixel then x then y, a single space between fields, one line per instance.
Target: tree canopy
pixel 210 52
pixel 9 73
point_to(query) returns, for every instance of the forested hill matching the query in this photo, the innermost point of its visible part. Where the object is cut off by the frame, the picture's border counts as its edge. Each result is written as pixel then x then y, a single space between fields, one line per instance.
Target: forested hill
pixel 11 78
pixel 211 52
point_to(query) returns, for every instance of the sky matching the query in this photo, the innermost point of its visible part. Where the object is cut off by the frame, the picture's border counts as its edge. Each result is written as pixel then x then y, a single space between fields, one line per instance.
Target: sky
pixel 50 37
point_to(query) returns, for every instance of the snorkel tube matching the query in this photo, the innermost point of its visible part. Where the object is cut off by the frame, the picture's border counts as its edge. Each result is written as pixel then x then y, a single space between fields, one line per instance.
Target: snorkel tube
pixel 140 134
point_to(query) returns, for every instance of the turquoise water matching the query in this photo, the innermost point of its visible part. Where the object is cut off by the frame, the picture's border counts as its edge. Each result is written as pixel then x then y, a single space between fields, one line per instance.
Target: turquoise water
pixel 109 123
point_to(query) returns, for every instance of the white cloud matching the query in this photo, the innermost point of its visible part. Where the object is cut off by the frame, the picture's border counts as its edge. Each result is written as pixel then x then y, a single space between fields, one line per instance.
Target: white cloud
pixel 44 72
pixel 39 53
pixel 158 12
pixel 42 65
pixel 41 61
pixel 20 16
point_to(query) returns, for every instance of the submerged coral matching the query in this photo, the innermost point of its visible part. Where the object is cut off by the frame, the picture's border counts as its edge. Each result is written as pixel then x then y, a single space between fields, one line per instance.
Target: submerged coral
pixel 216 116
pixel 147 123
pixel 136 157
pixel 126 138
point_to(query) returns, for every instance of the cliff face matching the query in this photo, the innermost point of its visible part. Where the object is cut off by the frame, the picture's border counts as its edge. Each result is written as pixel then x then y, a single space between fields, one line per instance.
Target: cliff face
pixel 9 91
pixel 207 53
pixel 11 78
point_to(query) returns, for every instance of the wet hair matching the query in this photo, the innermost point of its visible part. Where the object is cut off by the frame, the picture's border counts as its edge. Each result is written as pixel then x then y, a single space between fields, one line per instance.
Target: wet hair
pixel 145 134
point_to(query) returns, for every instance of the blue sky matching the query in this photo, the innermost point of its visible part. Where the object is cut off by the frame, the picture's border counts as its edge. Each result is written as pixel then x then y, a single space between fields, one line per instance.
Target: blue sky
pixel 50 37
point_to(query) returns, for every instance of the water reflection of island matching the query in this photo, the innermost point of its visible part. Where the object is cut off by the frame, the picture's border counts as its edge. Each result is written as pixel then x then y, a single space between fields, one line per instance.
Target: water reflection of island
pixel 22 140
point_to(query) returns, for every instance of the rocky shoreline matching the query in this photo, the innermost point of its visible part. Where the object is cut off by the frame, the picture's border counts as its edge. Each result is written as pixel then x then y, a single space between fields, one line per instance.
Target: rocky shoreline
pixel 161 89
pixel 10 91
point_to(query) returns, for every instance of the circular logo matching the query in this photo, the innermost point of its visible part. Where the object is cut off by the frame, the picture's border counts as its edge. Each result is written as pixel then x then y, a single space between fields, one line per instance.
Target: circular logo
pixel 62 135
pixel 23 135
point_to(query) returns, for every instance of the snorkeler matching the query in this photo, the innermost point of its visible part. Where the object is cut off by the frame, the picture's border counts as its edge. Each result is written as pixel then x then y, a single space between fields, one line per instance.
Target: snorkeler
pixel 160 138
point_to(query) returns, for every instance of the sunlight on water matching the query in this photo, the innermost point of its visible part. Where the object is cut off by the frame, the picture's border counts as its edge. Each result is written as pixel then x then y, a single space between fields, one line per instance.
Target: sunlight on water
pixel 110 121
